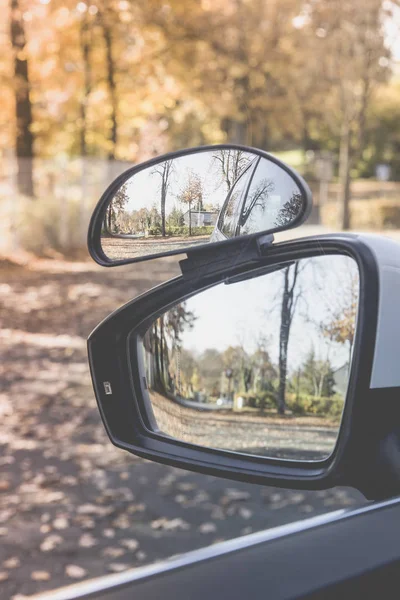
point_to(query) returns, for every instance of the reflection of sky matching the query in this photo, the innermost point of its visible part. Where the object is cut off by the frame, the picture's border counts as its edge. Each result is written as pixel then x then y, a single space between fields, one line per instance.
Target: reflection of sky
pixel 144 188
pixel 242 313
pixel 279 188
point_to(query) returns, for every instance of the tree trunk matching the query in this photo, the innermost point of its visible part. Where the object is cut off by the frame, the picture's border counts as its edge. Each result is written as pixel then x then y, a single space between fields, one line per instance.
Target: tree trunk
pixel 157 357
pixel 288 306
pixel 85 40
pixel 163 198
pixel 162 350
pixel 283 345
pixel 344 176
pixel 23 107
pixel 111 90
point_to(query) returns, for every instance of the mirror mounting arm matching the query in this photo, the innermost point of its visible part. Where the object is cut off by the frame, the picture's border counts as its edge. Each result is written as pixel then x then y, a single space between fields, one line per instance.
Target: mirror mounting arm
pixel 207 262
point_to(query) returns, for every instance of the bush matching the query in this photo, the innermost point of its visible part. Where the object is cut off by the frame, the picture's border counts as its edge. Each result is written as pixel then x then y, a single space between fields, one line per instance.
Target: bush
pixel 183 230
pixel 45 225
pixel 261 400
pixel 376 214
pixel 314 405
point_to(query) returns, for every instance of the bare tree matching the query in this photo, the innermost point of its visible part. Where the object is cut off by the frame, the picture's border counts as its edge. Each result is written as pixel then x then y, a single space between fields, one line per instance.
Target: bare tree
pixel 290 210
pixel 290 297
pixel 164 170
pixel 232 163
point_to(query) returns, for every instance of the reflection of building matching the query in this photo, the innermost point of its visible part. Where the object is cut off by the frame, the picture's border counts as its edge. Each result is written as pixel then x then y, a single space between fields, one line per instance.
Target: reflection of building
pixel 341 379
pixel 201 218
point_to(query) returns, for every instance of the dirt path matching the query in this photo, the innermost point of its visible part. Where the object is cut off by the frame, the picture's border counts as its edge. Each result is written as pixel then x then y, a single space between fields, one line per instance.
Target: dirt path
pixel 71 505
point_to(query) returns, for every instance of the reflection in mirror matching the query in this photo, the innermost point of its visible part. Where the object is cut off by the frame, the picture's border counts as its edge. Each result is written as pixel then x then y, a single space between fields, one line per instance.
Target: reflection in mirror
pixel 206 196
pixel 259 366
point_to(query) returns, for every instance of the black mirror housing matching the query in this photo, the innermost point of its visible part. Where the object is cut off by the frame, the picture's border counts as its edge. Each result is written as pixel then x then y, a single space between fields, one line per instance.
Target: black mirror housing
pixel 198 198
pixel 367 452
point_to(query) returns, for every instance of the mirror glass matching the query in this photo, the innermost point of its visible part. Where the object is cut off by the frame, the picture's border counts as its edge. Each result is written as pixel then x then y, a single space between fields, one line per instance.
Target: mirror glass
pixel 205 196
pixel 258 366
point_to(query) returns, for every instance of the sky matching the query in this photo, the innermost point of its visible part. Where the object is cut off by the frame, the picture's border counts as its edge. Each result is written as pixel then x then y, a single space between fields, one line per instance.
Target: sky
pixel 239 313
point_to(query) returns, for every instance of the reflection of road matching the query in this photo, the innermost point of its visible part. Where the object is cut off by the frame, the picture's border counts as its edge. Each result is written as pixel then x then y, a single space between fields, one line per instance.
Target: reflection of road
pixel 299 438
pixel 122 247
pixel 125 247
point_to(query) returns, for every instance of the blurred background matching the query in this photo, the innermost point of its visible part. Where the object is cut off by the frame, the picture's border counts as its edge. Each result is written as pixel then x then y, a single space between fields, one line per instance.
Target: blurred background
pixel 87 90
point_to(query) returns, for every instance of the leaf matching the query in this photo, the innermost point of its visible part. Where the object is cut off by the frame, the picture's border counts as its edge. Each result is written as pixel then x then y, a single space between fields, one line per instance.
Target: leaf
pixel 113 552
pixel 51 542
pixel 109 533
pixel 234 495
pixel 207 528
pixel 60 523
pixel 87 541
pixel 40 575
pixel 12 563
pixel 118 567
pixel 130 544
pixel 170 524
pixel 75 571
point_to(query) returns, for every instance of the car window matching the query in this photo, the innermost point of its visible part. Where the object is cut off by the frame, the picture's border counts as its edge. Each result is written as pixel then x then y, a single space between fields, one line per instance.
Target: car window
pixel 230 214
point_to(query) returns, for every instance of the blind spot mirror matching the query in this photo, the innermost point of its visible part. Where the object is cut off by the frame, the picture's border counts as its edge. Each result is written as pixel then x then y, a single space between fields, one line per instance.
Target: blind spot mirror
pixel 260 366
pixel 190 198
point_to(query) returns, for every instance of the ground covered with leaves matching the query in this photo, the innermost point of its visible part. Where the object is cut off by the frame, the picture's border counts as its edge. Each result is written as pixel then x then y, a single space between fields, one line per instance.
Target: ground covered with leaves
pixel 71 505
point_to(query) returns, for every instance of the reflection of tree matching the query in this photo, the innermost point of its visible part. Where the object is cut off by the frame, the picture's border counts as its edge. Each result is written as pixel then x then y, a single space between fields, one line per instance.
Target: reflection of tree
pixel 164 337
pixel 236 359
pixel 257 199
pixel 289 211
pixel 175 218
pixel 341 327
pixel 141 219
pixel 164 170
pixel 264 372
pixel 210 368
pixel 116 206
pixel 232 163
pixel 192 193
pixel 290 297
pixel 317 376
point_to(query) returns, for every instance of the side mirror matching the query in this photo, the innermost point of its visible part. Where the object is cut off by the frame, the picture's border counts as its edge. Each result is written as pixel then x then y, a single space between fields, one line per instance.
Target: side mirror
pixel 191 198
pixel 284 372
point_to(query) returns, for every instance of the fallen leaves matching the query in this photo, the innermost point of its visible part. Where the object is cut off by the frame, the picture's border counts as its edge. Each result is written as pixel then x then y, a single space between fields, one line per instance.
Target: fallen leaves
pixel 89 507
